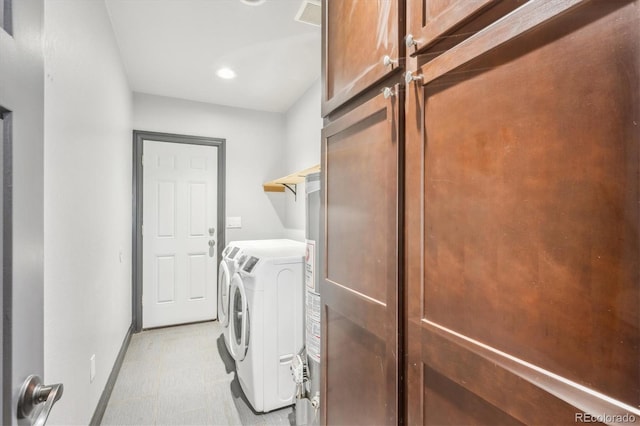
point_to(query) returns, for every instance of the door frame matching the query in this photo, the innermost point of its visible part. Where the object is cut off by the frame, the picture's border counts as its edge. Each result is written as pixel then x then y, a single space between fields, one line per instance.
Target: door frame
pixel 139 136
pixel 6 293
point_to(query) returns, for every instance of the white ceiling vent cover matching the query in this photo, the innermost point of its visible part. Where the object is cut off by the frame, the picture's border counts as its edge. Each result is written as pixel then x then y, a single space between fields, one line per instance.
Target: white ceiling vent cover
pixel 310 13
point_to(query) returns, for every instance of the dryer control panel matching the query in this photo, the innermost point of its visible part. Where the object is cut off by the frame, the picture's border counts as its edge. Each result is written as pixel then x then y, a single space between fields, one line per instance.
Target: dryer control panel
pixel 250 264
pixel 233 253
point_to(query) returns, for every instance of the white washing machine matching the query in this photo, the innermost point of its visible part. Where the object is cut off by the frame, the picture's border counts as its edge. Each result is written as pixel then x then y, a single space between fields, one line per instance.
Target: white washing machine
pixel 232 258
pixel 266 320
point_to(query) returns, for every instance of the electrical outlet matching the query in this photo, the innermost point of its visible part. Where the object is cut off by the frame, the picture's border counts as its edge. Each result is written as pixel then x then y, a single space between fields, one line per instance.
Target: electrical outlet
pixel 92 367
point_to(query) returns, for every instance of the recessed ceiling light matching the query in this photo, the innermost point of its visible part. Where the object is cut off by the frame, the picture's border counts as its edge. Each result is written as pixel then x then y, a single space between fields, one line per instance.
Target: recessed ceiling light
pixel 226 73
pixel 253 2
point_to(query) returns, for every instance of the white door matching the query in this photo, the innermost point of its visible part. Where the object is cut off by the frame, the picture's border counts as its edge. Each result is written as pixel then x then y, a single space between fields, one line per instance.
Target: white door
pixel 178 233
pixel 22 116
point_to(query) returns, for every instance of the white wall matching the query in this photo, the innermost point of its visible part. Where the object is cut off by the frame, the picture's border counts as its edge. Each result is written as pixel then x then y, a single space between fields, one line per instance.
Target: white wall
pixel 303 124
pixel 254 155
pixel 88 108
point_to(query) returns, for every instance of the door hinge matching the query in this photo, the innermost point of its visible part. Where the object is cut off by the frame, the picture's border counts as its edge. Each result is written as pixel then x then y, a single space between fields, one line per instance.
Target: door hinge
pixel 142 160
pixel 142 230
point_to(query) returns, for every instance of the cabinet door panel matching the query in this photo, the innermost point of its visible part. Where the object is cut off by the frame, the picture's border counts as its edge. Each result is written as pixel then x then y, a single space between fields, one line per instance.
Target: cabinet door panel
pixel 437 25
pixel 359 287
pixel 357 35
pixel 523 221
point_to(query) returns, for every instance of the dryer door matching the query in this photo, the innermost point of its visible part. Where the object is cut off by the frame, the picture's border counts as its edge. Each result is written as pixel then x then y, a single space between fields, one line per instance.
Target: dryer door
pixel 224 282
pixel 238 319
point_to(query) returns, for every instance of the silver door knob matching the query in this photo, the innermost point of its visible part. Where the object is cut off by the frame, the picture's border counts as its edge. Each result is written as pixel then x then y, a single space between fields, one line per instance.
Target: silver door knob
pixel 387 61
pixel 211 243
pixel 409 77
pixel 410 41
pixel 32 394
pixel 388 92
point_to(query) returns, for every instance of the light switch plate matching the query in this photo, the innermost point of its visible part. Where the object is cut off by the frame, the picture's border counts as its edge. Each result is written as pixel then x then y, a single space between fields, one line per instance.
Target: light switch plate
pixel 234 222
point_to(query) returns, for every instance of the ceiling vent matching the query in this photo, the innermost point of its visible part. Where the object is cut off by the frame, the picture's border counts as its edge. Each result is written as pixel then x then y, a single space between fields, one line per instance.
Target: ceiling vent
pixel 310 13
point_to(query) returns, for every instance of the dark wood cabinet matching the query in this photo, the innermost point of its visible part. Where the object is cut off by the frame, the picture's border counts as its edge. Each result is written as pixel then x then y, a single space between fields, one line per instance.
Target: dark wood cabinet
pixel 511 167
pixel 437 25
pixel 357 36
pixel 359 291
pixel 523 221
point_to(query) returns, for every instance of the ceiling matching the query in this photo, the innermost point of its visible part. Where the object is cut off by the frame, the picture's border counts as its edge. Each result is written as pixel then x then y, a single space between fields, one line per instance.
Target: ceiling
pixel 174 48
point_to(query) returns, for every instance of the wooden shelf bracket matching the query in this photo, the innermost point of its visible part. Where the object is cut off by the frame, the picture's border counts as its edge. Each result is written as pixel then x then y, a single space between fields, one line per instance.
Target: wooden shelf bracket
pixel 289 182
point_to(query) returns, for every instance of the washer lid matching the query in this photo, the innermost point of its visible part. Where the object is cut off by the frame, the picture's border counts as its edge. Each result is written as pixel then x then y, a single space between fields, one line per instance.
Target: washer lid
pixel 224 283
pixel 239 322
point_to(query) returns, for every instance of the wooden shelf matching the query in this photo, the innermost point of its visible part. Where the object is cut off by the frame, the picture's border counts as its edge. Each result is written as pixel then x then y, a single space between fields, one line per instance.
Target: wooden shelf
pixel 280 184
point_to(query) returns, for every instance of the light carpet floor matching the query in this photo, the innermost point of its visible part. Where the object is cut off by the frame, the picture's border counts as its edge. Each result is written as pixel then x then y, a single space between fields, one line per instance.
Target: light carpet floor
pixel 183 376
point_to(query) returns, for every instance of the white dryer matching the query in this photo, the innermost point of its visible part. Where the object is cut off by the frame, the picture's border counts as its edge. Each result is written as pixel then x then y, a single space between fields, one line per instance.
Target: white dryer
pixel 266 320
pixel 232 259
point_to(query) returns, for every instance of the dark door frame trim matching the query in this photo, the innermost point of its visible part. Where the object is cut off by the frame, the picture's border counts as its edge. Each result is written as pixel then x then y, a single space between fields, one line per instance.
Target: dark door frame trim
pixel 139 137
pixel 6 296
